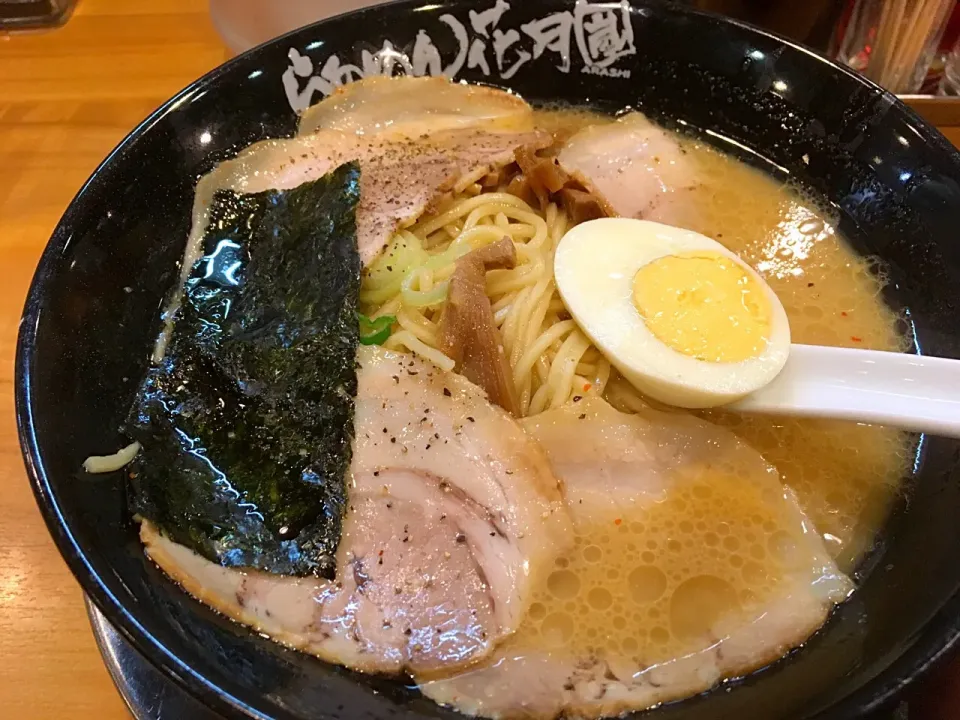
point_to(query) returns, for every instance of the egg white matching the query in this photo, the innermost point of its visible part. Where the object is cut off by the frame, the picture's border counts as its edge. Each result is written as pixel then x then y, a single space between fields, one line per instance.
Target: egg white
pixel 595 265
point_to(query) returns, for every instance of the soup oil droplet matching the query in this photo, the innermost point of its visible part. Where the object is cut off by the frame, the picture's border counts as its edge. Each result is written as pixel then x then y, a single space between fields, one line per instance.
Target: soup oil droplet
pixel 564 584
pixel 647 584
pixel 659 635
pixel 698 604
pixel 599 598
pixel 592 553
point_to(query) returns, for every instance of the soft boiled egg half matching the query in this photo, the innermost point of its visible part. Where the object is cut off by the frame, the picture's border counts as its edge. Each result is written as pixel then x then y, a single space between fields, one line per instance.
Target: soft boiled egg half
pixel 681 317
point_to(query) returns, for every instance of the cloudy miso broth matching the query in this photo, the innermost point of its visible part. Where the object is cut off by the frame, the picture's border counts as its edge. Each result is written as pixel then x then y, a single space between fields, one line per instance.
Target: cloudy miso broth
pixel 655 589
pixel 652 587
pixel 845 475
pixel 496 512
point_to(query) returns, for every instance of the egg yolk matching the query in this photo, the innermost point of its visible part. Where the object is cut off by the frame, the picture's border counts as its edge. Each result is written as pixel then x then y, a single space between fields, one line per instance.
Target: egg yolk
pixel 703 305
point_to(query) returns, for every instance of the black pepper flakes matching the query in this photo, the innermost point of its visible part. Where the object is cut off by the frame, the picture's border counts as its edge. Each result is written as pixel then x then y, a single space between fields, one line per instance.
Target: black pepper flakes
pixel 447 393
pixel 583 416
pixel 470 418
pixel 577 398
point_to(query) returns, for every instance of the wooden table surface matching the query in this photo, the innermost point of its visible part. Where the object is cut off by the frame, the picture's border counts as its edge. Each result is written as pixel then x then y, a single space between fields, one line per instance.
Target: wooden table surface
pixel 66 98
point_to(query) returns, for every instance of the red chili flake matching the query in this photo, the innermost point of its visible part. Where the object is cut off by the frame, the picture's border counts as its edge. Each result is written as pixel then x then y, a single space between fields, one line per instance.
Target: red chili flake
pixel 856 339
pixel 586 387
pixel 844 314
pixel 617 521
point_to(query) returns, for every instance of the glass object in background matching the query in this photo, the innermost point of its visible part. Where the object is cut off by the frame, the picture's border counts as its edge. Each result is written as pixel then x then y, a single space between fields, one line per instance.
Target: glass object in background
pixel 34 14
pixel 808 21
pixel 893 42
pixel 244 24
pixel 950 84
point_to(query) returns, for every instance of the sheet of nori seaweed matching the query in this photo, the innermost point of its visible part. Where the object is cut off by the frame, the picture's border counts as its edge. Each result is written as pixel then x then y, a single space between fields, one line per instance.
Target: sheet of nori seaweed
pixel 247 423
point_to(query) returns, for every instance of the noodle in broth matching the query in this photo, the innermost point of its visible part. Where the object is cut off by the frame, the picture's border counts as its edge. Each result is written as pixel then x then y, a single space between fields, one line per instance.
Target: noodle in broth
pixel 831 295
pixel 598 553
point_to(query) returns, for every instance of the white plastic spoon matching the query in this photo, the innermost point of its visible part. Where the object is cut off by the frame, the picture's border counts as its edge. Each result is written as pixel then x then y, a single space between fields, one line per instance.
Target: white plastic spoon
pixel 912 392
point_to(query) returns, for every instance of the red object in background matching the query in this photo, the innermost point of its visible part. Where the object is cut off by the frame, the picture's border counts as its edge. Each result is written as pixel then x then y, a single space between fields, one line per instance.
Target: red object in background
pixel 950 36
pixel 935 75
pixel 840 46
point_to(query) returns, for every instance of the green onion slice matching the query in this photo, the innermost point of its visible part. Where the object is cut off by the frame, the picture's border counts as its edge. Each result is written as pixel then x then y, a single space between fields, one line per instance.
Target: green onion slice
pixel 375 332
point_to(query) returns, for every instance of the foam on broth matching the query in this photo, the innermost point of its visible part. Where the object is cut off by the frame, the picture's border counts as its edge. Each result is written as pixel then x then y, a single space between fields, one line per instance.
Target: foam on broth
pixel 645 589
pixel 845 475
pixel 649 588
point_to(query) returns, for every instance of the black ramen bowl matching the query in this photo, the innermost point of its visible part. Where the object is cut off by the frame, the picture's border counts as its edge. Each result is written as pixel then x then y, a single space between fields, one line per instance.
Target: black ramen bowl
pixel 91 317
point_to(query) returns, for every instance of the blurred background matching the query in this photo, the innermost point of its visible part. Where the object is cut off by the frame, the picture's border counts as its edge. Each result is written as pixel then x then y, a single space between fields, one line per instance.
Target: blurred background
pixel 907 46
pixel 904 45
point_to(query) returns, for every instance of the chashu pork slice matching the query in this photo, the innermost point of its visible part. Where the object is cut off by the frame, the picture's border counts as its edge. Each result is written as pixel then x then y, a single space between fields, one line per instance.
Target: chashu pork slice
pixel 400 175
pixel 453 516
pixel 632 470
pixel 635 168
pixel 414 105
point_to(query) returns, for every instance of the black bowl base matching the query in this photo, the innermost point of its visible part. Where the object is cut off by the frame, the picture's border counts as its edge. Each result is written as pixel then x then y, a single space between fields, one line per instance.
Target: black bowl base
pixel 148 693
